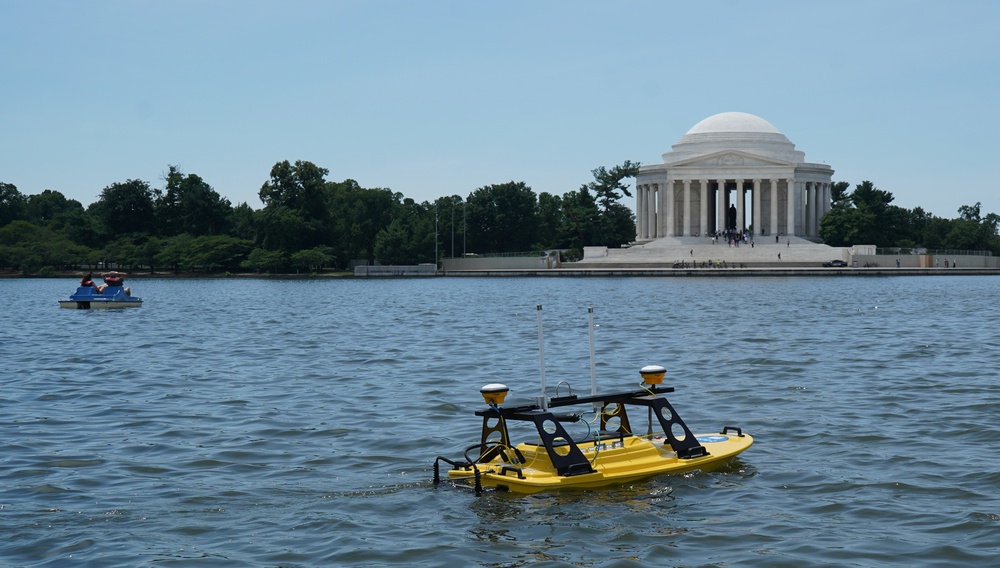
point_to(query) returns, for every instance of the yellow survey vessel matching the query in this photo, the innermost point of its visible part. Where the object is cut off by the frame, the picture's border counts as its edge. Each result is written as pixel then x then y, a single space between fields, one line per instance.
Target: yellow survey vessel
pixel 612 450
pixel 611 453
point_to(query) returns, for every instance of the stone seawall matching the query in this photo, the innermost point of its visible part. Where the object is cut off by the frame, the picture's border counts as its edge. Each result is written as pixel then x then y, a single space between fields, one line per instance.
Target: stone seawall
pixel 725 272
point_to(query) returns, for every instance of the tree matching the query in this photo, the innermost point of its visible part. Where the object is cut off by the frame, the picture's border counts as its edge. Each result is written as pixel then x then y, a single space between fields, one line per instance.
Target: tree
pixel 78 226
pixel 582 219
pixel 970 212
pixel 125 208
pixel 299 191
pixel 189 205
pixel 364 213
pixel 615 222
pixel 409 238
pixel 30 247
pixel 282 228
pixel 935 232
pixel 392 247
pixel 839 192
pixel 12 204
pixel 16 240
pixel 265 260
pixel 172 252
pixel 313 259
pixel 46 206
pixel 219 252
pixel 300 187
pixel 243 223
pixel 550 221
pixel 863 217
pixel 617 226
pixel 867 196
pixel 608 184
pixel 502 218
pixel 148 253
pixel 966 234
pixel 972 231
pixel 125 251
pixel 844 226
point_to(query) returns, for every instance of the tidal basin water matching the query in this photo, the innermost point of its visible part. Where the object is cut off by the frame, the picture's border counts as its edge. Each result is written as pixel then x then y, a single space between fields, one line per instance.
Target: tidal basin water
pixel 294 423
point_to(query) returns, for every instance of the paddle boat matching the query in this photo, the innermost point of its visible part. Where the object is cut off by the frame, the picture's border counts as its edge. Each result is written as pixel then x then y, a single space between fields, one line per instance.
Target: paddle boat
pixel 612 451
pixel 112 295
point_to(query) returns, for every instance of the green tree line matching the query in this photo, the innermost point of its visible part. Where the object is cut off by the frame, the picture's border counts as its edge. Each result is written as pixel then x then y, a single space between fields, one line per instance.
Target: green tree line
pixel 867 216
pixel 307 224
pixel 310 224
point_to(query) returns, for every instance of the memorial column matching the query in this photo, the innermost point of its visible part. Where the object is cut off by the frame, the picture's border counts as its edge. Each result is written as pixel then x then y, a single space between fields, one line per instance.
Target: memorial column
pixel 645 211
pixel 740 198
pixel 810 208
pixel 792 203
pixel 721 221
pixel 703 224
pixel 660 204
pixel 640 199
pixel 687 207
pixel 818 209
pixel 818 206
pixel 653 205
pixel 705 191
pixel 669 210
pixel 651 210
pixel 774 206
pixel 756 217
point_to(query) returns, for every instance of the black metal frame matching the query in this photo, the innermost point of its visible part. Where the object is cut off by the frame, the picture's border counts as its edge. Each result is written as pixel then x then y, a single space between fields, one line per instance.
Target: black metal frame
pixel 570 460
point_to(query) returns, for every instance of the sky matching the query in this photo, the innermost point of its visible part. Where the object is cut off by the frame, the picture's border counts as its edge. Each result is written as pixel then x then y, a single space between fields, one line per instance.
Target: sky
pixel 439 98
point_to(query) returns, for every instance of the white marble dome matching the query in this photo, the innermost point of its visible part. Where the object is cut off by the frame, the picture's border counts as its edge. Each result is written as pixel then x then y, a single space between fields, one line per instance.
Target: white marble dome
pixel 733 122
pixel 728 131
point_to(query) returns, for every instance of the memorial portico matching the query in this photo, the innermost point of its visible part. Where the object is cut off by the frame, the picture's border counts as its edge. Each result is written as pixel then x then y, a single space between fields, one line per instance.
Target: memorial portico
pixel 732 172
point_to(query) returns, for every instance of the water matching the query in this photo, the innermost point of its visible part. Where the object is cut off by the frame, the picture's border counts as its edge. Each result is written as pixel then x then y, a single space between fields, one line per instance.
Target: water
pixel 294 423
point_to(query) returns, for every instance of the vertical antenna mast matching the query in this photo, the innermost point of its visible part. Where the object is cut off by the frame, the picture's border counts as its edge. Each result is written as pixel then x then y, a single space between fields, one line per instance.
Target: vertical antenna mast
pixel 593 369
pixel 542 401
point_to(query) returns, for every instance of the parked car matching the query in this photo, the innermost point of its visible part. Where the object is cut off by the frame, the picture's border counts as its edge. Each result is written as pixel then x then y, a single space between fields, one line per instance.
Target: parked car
pixel 835 263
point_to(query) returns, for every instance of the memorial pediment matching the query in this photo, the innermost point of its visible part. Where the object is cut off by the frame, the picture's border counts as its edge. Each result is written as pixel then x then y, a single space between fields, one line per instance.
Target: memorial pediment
pixel 730 159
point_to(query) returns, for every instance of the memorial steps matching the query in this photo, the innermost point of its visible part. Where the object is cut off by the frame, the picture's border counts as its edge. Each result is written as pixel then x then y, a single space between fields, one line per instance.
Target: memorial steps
pixel 665 251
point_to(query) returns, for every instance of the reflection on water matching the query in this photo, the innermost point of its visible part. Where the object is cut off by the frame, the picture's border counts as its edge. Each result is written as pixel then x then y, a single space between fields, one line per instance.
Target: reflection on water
pixel 294 423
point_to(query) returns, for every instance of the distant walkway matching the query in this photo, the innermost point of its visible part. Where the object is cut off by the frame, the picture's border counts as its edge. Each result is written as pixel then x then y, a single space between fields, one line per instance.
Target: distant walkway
pixel 571 269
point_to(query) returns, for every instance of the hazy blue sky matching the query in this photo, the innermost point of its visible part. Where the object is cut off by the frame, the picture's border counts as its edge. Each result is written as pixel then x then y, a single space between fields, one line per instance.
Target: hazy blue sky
pixel 434 98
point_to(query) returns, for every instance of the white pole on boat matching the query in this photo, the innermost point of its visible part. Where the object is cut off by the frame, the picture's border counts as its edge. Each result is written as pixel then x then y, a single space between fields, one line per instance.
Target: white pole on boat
pixel 542 400
pixel 593 368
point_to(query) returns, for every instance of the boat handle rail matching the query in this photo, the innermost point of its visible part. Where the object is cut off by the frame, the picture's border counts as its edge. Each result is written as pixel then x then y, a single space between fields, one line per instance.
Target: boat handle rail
pixel 569 387
pixel 725 430
pixel 507 468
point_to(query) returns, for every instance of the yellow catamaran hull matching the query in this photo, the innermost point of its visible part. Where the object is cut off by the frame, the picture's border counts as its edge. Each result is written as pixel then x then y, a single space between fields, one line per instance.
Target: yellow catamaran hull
pixel 615 461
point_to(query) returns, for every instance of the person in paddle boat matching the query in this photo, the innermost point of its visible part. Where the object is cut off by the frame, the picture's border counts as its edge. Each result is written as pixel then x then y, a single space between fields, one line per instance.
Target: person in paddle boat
pixel 113 279
pixel 88 280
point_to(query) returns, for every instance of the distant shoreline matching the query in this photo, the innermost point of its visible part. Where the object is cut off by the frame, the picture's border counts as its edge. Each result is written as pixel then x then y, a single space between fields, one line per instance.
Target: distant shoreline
pixel 563 273
pixel 77 274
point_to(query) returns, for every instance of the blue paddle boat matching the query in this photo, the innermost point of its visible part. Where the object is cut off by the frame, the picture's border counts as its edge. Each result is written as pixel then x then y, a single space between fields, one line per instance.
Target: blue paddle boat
pixel 113 294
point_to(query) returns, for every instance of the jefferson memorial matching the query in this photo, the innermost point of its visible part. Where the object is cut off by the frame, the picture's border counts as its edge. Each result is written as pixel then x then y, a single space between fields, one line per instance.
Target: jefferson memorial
pixel 732 172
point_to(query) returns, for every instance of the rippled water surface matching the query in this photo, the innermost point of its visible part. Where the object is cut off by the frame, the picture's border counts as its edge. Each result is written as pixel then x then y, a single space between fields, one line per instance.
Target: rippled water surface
pixel 295 423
